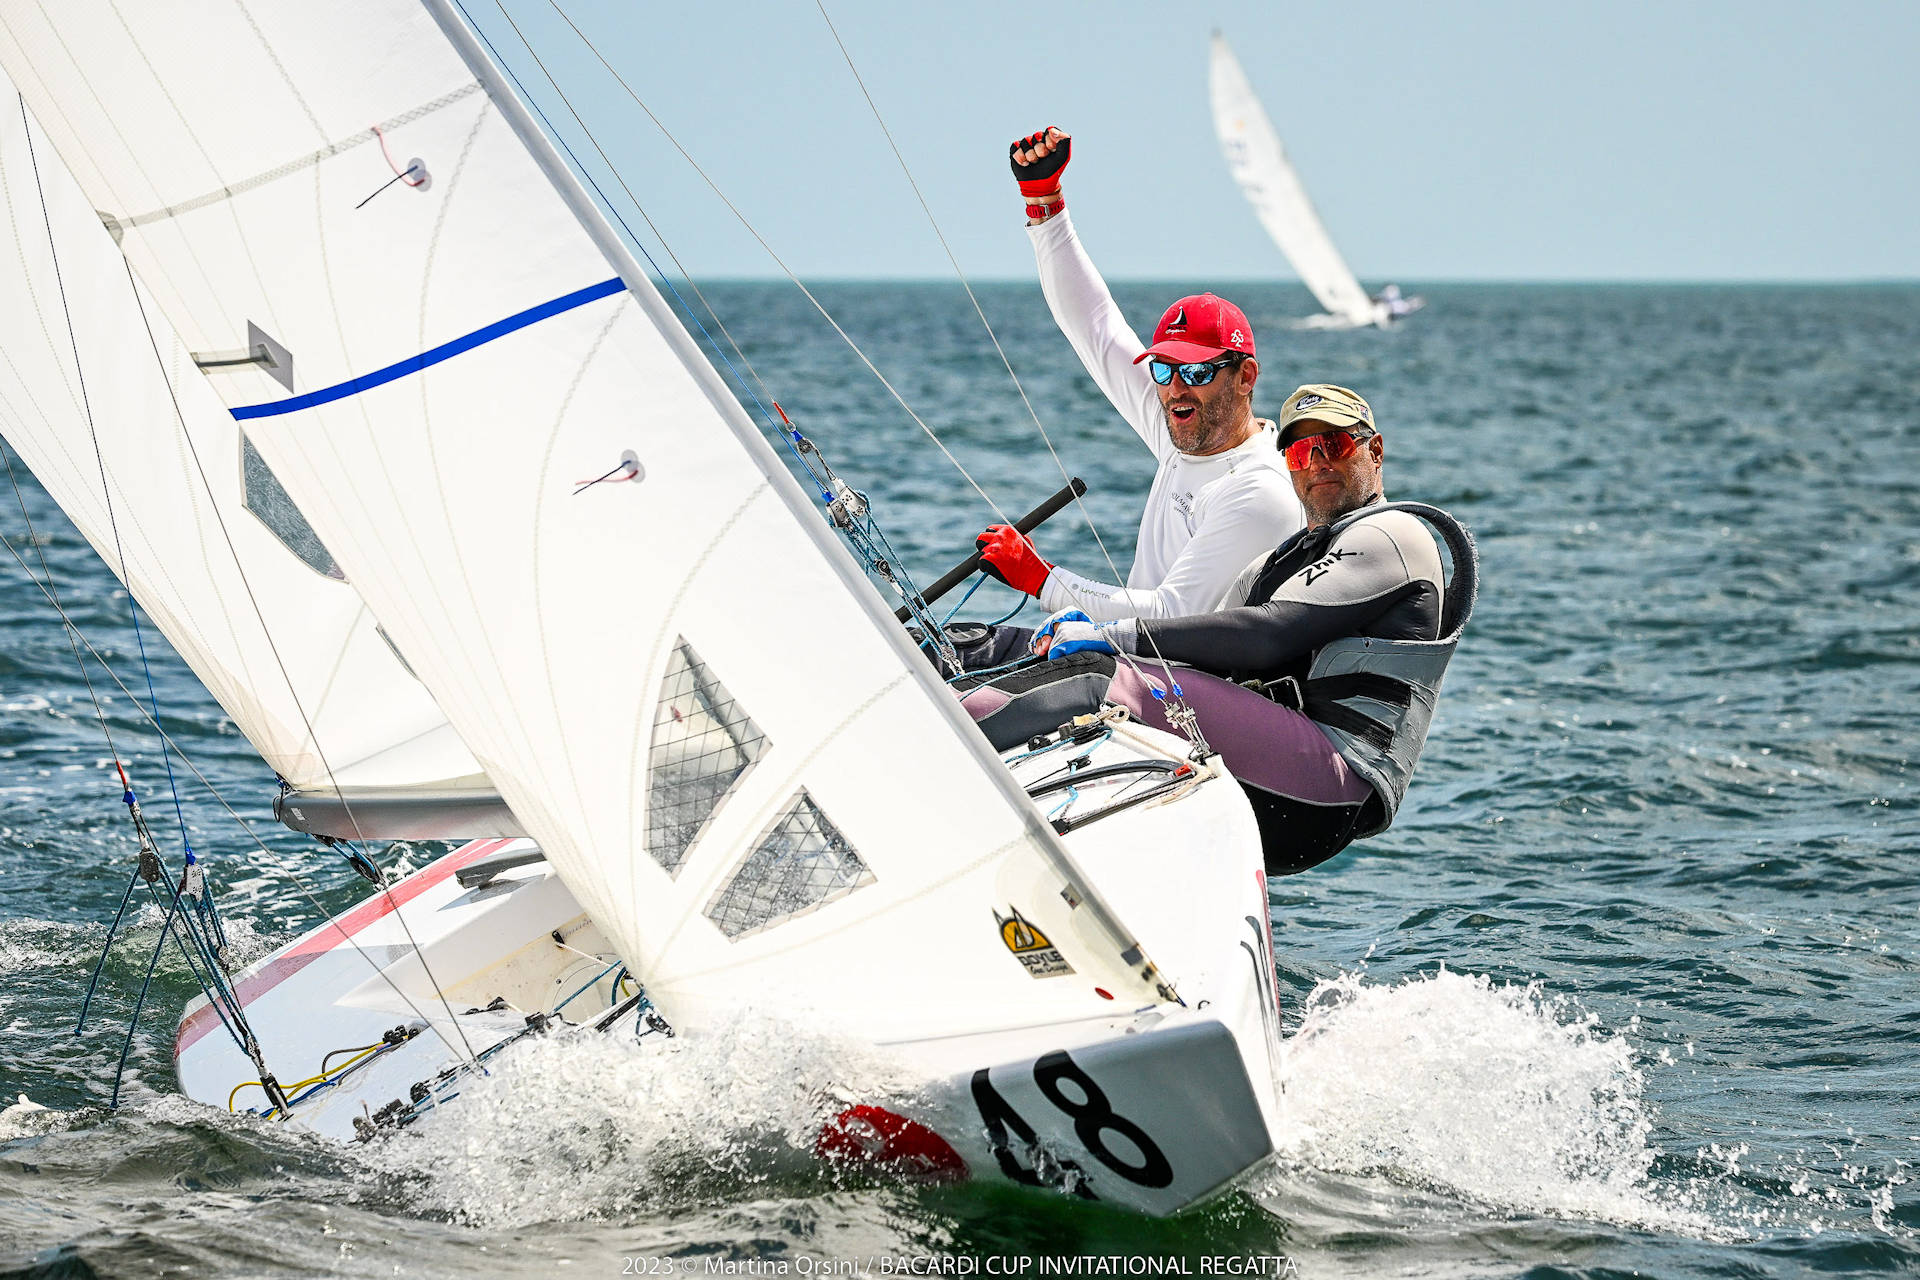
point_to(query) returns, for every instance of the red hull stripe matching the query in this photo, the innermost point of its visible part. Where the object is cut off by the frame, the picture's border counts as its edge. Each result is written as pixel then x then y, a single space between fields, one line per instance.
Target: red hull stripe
pixel 328 938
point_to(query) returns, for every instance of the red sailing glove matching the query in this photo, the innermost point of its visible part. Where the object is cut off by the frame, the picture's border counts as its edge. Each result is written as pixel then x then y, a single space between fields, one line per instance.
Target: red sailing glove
pixel 1006 554
pixel 1040 181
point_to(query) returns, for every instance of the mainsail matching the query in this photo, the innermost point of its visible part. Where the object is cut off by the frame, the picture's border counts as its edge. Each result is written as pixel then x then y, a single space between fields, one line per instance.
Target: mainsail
pixel 170 491
pixel 1260 165
pixel 680 683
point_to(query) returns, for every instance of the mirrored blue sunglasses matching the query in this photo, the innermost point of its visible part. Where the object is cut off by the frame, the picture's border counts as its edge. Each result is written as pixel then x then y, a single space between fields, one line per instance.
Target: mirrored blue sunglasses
pixel 1194 375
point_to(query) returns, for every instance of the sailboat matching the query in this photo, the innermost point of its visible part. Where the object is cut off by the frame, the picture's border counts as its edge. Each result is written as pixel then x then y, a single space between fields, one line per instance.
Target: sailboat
pixel 320 342
pixel 1259 164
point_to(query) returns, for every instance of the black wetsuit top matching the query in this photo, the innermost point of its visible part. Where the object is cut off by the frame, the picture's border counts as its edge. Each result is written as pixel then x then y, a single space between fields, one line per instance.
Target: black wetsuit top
pixel 1379 577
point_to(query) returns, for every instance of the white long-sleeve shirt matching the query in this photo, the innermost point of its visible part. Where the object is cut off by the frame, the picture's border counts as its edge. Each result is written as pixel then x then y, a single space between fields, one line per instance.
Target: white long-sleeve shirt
pixel 1206 517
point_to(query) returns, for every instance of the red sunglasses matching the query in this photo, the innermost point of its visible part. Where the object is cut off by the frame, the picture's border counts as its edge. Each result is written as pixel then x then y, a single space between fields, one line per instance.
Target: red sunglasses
pixel 1335 446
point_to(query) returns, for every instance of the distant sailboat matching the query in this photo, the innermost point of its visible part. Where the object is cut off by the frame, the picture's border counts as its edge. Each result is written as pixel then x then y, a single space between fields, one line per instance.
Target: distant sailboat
pixel 1260 165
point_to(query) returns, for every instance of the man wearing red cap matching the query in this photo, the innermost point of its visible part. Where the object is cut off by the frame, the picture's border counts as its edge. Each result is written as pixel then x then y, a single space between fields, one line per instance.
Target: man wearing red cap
pixel 1220 493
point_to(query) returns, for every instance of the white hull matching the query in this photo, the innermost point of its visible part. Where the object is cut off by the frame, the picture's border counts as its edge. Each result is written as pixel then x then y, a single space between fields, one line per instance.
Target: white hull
pixel 1154 1107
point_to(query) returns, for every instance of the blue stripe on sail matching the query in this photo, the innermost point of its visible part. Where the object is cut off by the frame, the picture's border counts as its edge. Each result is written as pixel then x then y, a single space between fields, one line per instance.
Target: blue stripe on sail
pixel 445 351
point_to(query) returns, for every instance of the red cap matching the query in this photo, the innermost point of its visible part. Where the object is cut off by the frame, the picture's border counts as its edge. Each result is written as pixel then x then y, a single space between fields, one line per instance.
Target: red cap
pixel 1203 327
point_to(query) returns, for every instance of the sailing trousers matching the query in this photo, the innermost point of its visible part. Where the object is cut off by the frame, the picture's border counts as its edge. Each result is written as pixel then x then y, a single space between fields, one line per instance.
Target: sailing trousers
pixel 1307 800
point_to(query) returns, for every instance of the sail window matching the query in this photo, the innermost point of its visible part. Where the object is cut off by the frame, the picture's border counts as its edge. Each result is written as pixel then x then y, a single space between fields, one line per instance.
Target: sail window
pixel 803 862
pixel 703 743
pixel 273 506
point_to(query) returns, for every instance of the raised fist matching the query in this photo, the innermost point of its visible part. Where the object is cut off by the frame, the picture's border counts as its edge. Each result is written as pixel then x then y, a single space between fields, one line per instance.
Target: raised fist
pixel 1037 160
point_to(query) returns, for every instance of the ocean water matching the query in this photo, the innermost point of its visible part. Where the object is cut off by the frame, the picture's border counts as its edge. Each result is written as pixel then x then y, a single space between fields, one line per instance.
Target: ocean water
pixel 1631 988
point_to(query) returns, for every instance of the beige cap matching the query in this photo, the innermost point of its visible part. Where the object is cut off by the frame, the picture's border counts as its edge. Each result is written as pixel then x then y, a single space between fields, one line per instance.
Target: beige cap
pixel 1324 402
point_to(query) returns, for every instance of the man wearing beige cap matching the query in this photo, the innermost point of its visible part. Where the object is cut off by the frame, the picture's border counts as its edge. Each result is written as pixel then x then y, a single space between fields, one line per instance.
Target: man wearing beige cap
pixel 1319 671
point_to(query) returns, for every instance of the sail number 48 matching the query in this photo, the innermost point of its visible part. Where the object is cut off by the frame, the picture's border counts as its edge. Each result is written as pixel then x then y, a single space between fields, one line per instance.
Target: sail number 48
pixel 1073 1092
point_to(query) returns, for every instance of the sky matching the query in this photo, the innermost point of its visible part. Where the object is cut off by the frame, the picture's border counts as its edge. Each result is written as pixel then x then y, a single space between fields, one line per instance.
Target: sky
pixel 1479 140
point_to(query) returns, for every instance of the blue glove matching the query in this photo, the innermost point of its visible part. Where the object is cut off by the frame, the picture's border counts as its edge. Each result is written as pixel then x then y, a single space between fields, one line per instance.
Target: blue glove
pixel 1047 628
pixel 1046 631
pixel 1078 637
pixel 1071 631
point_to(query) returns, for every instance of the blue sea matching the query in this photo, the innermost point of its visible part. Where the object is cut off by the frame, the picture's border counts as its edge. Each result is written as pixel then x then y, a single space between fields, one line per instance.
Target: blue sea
pixel 1631 988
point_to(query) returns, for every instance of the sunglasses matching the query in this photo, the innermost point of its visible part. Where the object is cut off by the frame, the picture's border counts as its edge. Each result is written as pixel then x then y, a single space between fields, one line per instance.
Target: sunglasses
pixel 1194 375
pixel 1335 446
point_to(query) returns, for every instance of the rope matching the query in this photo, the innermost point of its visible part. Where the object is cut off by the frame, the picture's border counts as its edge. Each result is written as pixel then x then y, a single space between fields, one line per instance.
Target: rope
pixel 293 692
pixel 270 861
pixel 1186 718
pixel 1011 614
pixel 327 1076
pixel 295 166
pixel 139 1004
pixel 168 744
pixel 213 990
pixel 591 982
pixel 99 965
pixel 777 259
pixel 100 462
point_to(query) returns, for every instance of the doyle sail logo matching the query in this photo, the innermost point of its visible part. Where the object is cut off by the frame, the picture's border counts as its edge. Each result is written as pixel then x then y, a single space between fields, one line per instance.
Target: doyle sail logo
pixel 1030 946
pixel 1179 322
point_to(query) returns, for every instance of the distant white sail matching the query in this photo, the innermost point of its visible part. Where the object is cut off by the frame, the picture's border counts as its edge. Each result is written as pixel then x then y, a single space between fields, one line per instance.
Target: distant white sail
pixel 165 523
pixel 682 685
pixel 1260 165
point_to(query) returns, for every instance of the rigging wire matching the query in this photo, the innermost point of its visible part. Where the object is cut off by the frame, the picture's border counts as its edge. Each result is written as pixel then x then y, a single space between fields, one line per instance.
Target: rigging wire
pixel 1180 713
pixel 667 248
pixel 188 877
pixel 849 508
pixel 273 647
pixel 73 643
pixel 271 861
pixel 191 877
pixel 777 259
pixel 1078 498
pixel 1189 721
pixel 100 462
pixel 147 865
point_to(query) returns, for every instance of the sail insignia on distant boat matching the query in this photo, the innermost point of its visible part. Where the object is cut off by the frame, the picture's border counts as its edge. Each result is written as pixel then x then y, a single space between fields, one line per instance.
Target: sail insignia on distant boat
pixel 1259 162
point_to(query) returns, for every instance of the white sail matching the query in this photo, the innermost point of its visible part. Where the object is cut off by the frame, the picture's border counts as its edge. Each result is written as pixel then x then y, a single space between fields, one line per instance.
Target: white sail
pixel 316 689
pixel 1260 165
pixel 680 683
